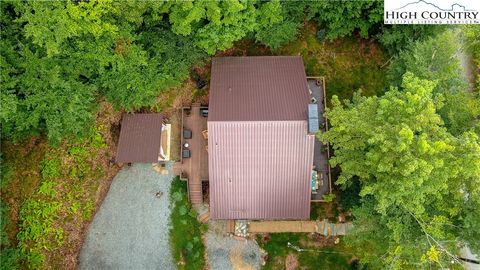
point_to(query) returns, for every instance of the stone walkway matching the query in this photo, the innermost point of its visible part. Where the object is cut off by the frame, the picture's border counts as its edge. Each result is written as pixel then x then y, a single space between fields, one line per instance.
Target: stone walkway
pixel 130 231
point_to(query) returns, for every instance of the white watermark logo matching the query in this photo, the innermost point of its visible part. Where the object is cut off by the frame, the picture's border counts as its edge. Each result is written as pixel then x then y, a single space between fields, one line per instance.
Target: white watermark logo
pixel 431 12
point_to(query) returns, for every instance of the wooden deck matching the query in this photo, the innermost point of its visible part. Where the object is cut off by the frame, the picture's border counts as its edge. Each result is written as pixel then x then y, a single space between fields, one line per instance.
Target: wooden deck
pixel 321 152
pixel 195 168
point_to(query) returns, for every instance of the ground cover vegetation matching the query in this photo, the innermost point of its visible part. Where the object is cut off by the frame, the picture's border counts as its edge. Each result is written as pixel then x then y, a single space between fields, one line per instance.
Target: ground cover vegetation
pixel 61 60
pixel 49 195
pixel 305 251
pixel 185 232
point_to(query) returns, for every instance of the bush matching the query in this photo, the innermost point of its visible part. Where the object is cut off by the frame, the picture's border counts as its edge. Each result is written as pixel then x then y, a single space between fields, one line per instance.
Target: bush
pixel 37 232
pixel 329 197
pixel 278 35
pixel 185 233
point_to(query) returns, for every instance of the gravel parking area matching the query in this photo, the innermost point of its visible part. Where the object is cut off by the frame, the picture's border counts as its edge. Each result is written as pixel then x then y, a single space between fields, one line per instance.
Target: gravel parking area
pixel 224 252
pixel 130 231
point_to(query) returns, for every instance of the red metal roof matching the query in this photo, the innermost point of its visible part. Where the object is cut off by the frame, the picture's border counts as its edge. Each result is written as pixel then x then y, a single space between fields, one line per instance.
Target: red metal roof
pixel 260 170
pixel 140 138
pixel 260 88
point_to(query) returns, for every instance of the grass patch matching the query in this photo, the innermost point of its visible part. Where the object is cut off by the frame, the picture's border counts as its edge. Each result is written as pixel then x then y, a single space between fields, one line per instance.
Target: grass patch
pixel 348 64
pixel 317 257
pixel 186 232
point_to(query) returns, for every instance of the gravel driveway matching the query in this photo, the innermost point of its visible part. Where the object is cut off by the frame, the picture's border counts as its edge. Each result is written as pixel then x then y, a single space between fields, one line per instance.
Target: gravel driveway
pixel 225 253
pixel 130 231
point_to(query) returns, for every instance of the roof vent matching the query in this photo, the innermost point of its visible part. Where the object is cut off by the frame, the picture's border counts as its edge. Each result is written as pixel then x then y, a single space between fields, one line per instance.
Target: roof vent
pixel 313 123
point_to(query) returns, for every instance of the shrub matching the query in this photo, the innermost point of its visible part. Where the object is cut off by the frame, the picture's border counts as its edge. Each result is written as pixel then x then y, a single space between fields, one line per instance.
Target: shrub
pixel 51 168
pixel 37 231
pixel 329 197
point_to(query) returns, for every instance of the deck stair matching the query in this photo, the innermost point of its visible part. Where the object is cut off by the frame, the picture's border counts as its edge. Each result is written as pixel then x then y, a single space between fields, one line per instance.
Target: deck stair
pixel 195 192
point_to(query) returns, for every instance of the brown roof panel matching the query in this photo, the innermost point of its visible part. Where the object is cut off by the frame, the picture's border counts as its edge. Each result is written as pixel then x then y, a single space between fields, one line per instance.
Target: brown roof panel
pixel 260 170
pixel 140 138
pixel 260 88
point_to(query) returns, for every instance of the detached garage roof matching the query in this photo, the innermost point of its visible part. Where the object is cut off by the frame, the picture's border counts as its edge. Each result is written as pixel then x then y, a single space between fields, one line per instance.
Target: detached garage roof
pixel 140 138
pixel 260 154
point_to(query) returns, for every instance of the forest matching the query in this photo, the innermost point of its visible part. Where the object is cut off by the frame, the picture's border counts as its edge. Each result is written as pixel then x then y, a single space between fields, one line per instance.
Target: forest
pixel 411 142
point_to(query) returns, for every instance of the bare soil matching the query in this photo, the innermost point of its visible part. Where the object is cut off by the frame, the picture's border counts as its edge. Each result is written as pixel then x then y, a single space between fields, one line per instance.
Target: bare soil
pixel 316 241
pixel 291 262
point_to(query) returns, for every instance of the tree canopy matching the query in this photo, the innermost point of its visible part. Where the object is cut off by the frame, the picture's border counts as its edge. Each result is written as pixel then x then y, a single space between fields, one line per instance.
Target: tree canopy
pixel 419 182
pixel 69 54
pixel 436 59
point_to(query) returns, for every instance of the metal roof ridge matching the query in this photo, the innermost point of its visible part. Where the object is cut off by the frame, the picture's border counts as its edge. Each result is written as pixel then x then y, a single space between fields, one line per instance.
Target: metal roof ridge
pixel 258 121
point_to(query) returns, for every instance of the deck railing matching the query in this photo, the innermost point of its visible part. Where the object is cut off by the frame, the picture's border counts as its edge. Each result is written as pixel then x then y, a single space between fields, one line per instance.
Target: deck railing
pixel 324 87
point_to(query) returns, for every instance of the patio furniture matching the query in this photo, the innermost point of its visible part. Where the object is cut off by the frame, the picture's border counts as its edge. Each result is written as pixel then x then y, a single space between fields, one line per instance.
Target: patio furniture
pixel 186 145
pixel 187 134
pixel 314 182
pixel 185 153
pixel 205 134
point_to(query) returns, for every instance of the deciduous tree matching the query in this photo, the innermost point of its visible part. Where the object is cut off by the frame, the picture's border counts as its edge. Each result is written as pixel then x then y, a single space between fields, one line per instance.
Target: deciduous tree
pixel 419 182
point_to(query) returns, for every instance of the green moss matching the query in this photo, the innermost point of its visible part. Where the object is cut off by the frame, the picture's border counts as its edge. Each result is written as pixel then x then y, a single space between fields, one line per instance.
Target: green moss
pixel 185 233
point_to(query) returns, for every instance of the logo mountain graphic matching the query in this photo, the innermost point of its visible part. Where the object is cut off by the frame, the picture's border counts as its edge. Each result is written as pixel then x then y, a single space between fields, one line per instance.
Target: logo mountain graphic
pixel 425 3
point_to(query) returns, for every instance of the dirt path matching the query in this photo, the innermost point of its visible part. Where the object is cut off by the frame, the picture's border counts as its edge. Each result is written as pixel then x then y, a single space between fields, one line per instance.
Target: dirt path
pixel 468 67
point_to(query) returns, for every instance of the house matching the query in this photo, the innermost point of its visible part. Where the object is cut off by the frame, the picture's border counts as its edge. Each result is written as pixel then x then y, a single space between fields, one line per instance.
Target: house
pixel 261 141
pixel 254 148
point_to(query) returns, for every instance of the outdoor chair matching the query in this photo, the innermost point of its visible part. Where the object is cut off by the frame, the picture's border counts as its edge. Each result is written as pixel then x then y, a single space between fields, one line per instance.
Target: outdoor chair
pixel 187 134
pixel 185 153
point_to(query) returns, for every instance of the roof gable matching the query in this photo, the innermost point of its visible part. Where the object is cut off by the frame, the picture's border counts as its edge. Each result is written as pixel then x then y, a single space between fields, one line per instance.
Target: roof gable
pixel 260 88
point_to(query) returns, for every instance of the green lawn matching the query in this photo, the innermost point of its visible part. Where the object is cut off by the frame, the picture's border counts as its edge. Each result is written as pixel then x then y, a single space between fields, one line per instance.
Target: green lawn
pixel 316 257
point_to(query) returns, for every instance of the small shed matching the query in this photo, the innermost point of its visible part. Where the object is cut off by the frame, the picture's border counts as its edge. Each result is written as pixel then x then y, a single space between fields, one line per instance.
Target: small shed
pixel 140 138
